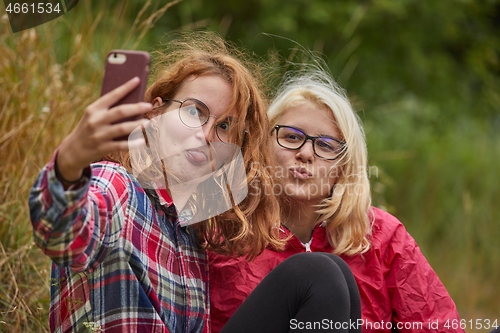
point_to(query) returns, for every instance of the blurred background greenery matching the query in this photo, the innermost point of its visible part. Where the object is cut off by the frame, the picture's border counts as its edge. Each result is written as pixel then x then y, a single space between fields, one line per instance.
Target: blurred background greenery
pixel 423 75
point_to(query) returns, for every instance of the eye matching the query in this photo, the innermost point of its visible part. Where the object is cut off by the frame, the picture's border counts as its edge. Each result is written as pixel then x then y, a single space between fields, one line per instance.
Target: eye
pixel 327 144
pixel 194 108
pixel 193 111
pixel 293 137
pixel 224 126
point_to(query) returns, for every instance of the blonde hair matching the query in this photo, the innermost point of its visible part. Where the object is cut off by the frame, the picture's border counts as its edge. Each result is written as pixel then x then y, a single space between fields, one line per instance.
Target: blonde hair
pixel 252 225
pixel 346 210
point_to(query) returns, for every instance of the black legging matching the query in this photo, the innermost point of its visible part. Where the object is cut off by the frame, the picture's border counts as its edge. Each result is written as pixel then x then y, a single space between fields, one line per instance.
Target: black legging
pixel 312 292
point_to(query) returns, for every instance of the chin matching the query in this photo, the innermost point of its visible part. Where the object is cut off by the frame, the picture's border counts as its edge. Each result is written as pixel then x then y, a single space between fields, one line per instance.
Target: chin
pixel 300 194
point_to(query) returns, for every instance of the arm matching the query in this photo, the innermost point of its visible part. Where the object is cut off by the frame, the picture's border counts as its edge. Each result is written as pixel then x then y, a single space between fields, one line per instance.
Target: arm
pixel 70 224
pixel 76 227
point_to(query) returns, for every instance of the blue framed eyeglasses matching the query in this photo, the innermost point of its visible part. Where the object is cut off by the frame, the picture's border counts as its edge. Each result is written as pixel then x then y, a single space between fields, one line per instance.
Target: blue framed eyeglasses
pixel 325 147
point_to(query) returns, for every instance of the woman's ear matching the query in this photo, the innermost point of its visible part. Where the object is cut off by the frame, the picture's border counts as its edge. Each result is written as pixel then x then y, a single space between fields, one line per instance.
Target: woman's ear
pixel 157 102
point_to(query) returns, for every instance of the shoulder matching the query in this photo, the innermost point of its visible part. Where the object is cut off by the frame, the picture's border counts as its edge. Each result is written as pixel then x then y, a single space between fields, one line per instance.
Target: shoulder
pixel 385 226
pixel 389 234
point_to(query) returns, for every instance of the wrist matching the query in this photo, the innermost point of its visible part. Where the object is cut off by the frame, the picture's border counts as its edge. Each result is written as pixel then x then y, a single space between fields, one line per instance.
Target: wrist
pixel 72 183
pixel 62 179
pixel 65 169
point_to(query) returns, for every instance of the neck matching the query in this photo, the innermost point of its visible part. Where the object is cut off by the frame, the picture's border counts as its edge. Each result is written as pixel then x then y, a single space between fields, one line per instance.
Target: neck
pixel 180 194
pixel 300 219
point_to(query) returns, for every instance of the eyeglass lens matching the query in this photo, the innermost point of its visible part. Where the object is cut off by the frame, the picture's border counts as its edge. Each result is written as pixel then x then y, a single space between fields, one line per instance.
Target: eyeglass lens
pixel 194 113
pixel 293 138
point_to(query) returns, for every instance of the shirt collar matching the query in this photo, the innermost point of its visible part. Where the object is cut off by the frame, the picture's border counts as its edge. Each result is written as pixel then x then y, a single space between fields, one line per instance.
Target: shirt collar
pixel 164 197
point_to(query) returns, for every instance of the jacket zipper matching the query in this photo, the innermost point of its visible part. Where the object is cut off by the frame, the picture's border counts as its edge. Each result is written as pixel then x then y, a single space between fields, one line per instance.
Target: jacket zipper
pixel 307 245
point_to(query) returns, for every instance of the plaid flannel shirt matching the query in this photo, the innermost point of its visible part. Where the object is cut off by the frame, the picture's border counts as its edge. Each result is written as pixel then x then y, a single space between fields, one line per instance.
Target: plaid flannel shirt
pixel 121 263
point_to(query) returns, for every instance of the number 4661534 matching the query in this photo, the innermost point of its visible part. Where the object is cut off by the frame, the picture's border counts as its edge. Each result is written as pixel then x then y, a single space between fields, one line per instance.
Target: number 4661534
pixel 471 324
pixel 33 8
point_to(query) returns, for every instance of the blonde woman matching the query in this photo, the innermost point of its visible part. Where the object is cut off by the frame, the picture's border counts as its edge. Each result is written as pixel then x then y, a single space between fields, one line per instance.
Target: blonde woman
pixel 321 158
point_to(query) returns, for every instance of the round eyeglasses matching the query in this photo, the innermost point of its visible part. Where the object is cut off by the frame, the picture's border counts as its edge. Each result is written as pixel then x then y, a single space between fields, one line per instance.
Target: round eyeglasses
pixel 194 113
pixel 324 147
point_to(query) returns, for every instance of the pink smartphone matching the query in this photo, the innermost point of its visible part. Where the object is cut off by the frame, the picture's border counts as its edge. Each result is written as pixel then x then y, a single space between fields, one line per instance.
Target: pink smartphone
pixel 123 65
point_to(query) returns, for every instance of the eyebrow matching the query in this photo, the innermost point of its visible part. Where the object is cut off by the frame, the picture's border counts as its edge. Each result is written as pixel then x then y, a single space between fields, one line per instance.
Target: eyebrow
pixel 230 118
pixel 326 136
pixel 319 135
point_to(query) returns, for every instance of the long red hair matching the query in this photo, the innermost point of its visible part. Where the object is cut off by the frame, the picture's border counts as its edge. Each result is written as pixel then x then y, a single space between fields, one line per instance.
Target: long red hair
pixel 253 224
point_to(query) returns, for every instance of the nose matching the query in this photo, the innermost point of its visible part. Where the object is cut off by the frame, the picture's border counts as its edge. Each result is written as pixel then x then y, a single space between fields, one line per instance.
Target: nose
pixel 306 152
pixel 207 131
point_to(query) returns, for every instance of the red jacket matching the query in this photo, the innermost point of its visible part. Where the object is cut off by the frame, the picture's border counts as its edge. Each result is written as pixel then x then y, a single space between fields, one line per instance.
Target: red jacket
pixel 398 287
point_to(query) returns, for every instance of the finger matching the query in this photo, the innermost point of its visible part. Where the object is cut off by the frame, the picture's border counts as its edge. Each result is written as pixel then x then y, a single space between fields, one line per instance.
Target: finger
pixel 126 112
pixel 136 143
pixel 117 94
pixel 105 147
pixel 123 129
pixel 125 145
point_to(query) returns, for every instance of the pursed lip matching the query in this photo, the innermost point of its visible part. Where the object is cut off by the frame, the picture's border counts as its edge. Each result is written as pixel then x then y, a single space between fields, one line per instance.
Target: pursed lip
pixel 300 173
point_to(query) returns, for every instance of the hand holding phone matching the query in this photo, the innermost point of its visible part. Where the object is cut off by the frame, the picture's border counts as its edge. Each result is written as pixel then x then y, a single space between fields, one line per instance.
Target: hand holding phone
pixel 96 133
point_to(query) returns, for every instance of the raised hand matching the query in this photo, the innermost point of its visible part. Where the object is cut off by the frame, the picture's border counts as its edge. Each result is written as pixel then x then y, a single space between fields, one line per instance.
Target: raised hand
pixel 96 133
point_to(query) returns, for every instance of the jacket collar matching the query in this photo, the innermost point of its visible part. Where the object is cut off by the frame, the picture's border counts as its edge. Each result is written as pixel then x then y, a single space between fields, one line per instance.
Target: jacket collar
pixel 319 240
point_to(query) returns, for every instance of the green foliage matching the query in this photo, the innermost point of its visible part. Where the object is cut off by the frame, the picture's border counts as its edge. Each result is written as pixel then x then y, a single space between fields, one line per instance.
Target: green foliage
pixel 440 178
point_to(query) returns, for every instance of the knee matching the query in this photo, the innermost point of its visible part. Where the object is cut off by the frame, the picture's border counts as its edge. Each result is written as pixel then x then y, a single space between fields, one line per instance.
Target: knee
pixel 340 262
pixel 313 275
pixel 314 265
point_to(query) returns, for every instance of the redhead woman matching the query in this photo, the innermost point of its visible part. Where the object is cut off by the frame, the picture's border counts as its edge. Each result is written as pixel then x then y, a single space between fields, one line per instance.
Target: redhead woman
pixel 125 256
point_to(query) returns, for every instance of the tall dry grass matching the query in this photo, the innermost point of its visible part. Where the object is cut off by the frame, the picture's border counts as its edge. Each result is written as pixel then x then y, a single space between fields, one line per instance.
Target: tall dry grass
pixel 48 75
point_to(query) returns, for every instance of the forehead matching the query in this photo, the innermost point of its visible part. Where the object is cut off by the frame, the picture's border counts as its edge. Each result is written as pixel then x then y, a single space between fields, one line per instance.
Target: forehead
pixel 310 118
pixel 215 92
